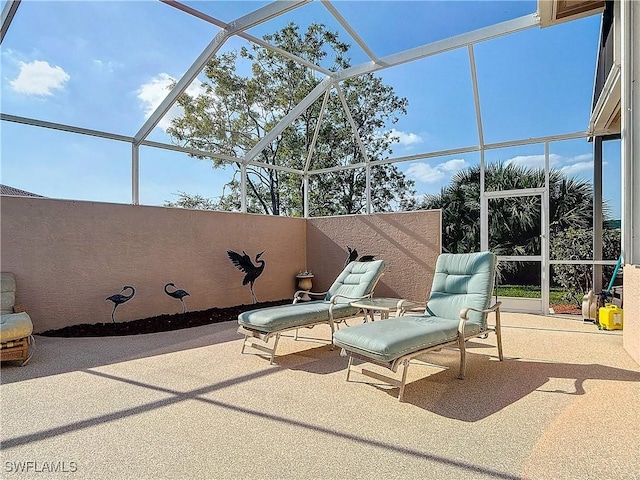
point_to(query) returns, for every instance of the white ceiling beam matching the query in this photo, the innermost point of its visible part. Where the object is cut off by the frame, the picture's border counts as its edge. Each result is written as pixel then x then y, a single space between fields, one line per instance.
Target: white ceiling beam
pixel 8 12
pixel 425 156
pixel 287 119
pixel 182 84
pixel 279 168
pixel 480 35
pixel 354 127
pixel 64 128
pixel 191 151
pixel 312 147
pixel 476 94
pixel 336 14
pixel 337 168
pixel 244 35
pixel 243 23
pixel 532 140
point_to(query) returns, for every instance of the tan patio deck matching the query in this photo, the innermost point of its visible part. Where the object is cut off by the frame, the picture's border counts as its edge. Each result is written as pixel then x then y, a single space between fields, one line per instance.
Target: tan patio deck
pixel 186 404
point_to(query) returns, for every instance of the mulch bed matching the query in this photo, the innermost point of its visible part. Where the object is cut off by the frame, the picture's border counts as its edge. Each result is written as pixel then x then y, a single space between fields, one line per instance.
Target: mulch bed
pixel 161 323
pixel 165 323
pixel 567 309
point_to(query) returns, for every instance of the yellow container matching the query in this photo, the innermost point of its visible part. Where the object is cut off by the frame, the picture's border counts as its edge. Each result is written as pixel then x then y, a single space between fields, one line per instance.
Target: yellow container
pixel 610 317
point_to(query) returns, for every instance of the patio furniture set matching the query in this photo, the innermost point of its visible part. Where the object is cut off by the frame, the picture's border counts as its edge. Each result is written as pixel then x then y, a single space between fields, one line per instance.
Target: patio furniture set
pixel 456 310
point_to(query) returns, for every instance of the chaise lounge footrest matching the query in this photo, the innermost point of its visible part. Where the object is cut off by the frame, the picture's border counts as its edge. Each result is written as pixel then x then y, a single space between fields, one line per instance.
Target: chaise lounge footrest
pixel 456 311
pixel 357 281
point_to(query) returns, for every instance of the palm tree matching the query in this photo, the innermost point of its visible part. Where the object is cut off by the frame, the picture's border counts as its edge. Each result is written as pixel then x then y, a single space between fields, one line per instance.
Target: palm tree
pixel 514 223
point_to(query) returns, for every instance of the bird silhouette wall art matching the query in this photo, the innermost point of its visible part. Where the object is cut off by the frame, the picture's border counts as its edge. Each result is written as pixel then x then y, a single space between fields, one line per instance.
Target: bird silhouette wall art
pixel 119 299
pixel 244 264
pixel 353 257
pixel 177 293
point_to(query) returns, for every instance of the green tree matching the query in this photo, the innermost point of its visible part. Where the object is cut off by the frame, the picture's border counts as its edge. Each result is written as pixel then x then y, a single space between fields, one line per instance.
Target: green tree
pixel 236 111
pixel 192 201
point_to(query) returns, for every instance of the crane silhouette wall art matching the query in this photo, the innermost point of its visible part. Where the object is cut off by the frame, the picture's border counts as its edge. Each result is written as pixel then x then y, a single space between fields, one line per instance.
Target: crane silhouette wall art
pixel 353 256
pixel 244 264
pixel 177 293
pixel 119 299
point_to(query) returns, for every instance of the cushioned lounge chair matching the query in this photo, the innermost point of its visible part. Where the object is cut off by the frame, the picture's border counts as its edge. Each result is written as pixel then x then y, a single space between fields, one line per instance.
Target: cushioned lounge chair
pixel 16 341
pixel 456 310
pixel 357 281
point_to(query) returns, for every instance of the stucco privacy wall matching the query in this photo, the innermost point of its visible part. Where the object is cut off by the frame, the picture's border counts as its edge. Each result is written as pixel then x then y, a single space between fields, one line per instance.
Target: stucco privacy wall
pixel 631 309
pixel 68 256
pixel 408 242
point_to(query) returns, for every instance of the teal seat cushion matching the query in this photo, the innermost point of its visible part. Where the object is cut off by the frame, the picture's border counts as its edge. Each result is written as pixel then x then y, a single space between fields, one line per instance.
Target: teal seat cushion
pixel 357 280
pixel 462 280
pixel 387 340
pixel 273 319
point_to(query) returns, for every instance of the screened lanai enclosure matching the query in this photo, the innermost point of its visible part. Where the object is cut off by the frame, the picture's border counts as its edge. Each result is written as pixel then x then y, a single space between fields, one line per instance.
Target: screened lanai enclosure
pixel 489 111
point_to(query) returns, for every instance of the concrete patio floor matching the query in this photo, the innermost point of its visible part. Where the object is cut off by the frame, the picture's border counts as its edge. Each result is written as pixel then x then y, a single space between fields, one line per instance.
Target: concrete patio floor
pixel 187 405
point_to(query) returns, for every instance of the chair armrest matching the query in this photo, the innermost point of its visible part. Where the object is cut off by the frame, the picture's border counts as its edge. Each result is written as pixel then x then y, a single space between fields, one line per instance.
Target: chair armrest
pixel 405 306
pixel 464 314
pixel 335 297
pixel 297 295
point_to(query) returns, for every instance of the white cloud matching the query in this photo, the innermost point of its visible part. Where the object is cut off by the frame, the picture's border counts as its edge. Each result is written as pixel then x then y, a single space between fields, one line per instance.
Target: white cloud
pixel 568 165
pixel 39 78
pixel 585 157
pixel 534 161
pixel 406 139
pixel 423 172
pixel 453 165
pixel 577 168
pixel 152 93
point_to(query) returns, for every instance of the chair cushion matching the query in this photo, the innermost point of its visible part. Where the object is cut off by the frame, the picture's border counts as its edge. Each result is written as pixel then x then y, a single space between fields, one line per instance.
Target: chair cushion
pixel 462 280
pixel 388 340
pixel 15 326
pixel 7 292
pixel 356 280
pixel 273 319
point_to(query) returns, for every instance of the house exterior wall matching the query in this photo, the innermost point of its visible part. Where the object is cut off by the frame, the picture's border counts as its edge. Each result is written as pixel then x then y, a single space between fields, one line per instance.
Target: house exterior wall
pixel 69 256
pixel 631 311
pixel 408 242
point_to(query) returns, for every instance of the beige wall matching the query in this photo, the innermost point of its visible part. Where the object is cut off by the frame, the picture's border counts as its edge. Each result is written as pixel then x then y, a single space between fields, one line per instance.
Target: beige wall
pixel 631 311
pixel 68 256
pixel 408 242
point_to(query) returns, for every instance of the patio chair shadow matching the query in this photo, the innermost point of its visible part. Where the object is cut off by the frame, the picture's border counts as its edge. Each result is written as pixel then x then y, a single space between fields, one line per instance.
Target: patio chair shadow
pixel 491 385
pixel 55 355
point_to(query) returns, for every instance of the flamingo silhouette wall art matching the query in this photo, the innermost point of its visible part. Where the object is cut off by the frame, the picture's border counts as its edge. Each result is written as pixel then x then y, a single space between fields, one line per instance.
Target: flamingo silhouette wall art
pixel 252 272
pixel 119 299
pixel 177 293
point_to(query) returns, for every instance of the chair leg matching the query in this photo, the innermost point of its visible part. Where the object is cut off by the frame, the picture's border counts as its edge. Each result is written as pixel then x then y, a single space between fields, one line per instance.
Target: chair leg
pixel 463 357
pixel 273 352
pixel 404 379
pixel 333 326
pixel 349 366
pixel 244 343
pixel 499 335
pixel 29 353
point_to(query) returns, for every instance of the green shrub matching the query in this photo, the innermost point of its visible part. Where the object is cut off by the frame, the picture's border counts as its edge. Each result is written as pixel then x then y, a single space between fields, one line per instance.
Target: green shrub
pixel 577 244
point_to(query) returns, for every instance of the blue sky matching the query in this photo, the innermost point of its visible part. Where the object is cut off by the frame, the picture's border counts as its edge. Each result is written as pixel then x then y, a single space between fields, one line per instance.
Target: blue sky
pixel 105 66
